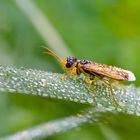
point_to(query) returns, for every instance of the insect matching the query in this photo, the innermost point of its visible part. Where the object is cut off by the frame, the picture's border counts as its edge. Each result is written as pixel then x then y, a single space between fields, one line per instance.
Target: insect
pixel 74 66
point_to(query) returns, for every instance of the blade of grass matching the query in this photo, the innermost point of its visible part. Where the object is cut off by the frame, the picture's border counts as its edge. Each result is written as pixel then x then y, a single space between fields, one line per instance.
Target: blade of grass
pixel 50 85
pixel 58 126
pixel 44 27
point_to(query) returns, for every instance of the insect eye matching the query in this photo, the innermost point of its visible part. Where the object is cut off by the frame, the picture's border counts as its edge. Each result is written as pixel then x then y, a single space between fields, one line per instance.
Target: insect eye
pixel 70 61
pixel 68 65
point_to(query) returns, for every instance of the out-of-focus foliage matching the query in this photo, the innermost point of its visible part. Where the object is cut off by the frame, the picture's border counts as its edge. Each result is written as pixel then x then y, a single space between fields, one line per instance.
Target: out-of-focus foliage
pixel 103 31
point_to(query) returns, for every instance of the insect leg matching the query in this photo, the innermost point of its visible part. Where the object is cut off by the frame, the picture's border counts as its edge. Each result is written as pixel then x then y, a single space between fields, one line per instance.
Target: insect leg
pixel 78 72
pixel 111 89
pixel 69 73
pixel 108 84
pixel 89 82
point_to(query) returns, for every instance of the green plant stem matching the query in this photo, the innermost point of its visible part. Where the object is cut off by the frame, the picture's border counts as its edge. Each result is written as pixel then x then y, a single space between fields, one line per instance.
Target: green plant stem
pixel 53 127
pixel 50 85
pixel 74 89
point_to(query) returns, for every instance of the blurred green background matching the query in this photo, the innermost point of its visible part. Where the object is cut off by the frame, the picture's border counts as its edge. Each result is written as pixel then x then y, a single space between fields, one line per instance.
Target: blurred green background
pixel 103 31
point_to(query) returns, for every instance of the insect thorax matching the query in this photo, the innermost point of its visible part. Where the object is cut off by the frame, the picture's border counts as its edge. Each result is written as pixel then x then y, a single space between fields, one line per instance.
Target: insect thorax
pixel 83 62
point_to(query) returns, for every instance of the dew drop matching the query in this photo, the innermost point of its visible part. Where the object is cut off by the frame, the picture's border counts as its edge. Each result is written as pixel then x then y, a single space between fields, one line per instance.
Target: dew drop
pixel 90 100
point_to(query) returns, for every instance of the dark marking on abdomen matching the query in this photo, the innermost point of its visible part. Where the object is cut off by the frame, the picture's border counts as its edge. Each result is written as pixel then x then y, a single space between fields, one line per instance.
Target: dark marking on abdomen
pixel 88 72
pixel 91 73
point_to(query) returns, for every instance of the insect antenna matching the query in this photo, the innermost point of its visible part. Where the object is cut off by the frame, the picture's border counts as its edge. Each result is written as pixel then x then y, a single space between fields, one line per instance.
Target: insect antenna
pixel 53 54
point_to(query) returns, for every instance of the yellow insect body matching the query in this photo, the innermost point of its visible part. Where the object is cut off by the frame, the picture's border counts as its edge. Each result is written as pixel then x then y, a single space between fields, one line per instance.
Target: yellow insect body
pixel 92 69
pixel 74 66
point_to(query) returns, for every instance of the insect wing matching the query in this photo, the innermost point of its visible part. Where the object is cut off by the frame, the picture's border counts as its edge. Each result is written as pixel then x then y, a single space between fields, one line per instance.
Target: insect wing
pixel 109 71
